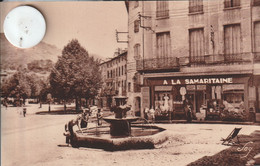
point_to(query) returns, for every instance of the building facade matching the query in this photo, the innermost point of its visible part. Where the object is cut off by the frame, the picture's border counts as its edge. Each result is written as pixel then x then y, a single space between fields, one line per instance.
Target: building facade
pixel 113 78
pixel 204 51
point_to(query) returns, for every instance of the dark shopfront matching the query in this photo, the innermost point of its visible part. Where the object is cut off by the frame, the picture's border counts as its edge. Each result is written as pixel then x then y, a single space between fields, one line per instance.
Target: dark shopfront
pixel 212 97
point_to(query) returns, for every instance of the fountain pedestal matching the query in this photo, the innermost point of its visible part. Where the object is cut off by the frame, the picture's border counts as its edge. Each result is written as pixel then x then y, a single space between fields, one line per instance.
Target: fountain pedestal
pixel 120 126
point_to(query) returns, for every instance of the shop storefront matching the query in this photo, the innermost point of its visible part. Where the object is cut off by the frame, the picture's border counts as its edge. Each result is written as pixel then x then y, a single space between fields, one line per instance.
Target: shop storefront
pixel 212 97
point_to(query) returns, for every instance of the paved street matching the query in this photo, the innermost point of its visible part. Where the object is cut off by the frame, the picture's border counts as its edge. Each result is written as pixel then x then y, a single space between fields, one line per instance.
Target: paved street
pixel 33 141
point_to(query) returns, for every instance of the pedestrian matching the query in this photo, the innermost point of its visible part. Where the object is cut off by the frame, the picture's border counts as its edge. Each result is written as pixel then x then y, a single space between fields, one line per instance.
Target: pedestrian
pixel 24 112
pixel 99 117
pixel 188 109
pixel 84 119
pixel 146 111
pixel 69 133
pixel 5 103
pixel 152 114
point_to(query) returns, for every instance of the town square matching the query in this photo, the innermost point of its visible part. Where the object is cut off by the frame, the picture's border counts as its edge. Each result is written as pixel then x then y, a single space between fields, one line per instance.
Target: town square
pixel 130 82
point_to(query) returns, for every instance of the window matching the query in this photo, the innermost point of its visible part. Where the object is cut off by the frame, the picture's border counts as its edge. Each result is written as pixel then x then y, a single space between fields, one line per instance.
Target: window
pixel 107 74
pixel 162 9
pixel 129 86
pixel 256 2
pixel 195 6
pixel 163 44
pixel 231 3
pixel 122 70
pixel 136 26
pixel 196 45
pixel 257 37
pixel 116 71
pixel 125 69
pixel 232 42
pixel 137 51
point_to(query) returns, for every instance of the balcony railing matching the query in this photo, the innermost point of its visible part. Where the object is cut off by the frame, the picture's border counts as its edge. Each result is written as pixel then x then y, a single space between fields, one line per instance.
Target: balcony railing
pixel 158 64
pixel 231 3
pixel 257 57
pixel 195 9
pixel 256 2
pixel 162 14
pixel 240 58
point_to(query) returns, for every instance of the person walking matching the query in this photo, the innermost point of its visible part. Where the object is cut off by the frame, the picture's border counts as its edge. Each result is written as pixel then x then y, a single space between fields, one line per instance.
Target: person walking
pixel 152 114
pixel 24 112
pixel 84 119
pixel 99 117
pixel 188 109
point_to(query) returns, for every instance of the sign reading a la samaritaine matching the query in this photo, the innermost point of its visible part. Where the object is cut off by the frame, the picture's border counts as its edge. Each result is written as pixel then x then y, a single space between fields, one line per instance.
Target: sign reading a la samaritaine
pixel 198 81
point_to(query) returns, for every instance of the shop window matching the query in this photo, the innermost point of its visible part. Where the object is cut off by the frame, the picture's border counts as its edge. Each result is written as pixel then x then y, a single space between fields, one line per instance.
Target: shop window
pixel 163 100
pixel 162 9
pixel 195 6
pixel 233 97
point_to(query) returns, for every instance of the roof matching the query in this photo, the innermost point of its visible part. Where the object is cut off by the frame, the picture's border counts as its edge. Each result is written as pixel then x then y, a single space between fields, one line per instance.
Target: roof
pixel 111 59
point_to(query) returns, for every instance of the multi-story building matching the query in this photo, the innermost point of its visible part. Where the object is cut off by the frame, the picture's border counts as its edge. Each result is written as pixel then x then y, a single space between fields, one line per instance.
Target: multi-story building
pixel 114 78
pixel 205 50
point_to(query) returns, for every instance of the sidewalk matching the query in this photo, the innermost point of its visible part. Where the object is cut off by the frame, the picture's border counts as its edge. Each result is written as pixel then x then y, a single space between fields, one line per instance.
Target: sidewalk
pixel 206 122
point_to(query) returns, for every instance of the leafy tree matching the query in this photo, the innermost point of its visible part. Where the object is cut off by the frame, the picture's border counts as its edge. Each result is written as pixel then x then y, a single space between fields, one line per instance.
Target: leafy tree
pixel 40 65
pixel 17 86
pixel 22 85
pixel 76 75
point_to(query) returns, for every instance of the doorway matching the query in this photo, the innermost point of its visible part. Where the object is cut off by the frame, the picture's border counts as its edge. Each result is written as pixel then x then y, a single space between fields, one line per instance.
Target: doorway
pixel 199 100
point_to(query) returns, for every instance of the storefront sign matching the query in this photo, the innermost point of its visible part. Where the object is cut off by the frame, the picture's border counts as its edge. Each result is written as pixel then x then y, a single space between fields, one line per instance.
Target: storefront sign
pixel 198 81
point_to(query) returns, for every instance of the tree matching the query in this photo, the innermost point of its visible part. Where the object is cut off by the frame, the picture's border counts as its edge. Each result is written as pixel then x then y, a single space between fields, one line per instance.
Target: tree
pixel 17 86
pixel 76 75
pixel 22 85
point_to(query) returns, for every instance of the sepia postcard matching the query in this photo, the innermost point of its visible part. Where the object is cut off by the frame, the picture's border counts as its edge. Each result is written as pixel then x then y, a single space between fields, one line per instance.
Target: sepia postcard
pixel 114 83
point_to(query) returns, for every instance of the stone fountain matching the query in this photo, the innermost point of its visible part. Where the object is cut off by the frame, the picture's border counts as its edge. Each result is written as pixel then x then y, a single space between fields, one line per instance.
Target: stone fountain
pixel 121 134
pixel 120 124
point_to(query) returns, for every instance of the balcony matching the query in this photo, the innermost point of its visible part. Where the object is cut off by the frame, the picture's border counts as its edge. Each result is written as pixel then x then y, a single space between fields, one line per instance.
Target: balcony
pixel 162 14
pixel 256 2
pixel 257 57
pixel 231 3
pixel 158 64
pixel 196 9
pixel 240 58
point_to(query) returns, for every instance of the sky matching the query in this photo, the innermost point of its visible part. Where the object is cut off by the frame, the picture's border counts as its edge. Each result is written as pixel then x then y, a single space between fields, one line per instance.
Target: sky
pixel 93 23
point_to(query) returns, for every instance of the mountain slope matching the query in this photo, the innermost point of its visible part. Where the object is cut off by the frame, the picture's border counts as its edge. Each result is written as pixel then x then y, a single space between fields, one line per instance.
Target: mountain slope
pixel 12 57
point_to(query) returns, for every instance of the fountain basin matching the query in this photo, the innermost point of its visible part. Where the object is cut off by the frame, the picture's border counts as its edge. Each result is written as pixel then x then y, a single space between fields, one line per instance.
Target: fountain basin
pixel 142 137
